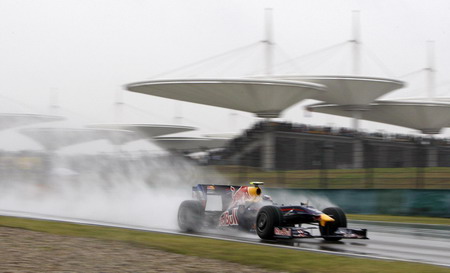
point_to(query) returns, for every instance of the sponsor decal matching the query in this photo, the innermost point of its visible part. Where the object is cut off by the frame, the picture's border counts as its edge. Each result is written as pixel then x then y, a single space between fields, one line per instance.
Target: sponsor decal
pixel 229 219
pixel 293 209
pixel 301 233
pixel 282 231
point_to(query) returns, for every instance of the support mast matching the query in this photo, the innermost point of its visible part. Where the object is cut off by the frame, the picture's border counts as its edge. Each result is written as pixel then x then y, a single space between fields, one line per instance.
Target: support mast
pixel 356 57
pixel 54 101
pixel 356 48
pixel 431 70
pixel 118 106
pixel 268 42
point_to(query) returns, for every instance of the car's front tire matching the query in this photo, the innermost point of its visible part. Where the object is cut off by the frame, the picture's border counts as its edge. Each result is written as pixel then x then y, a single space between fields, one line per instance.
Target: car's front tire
pixel 191 214
pixel 340 220
pixel 267 219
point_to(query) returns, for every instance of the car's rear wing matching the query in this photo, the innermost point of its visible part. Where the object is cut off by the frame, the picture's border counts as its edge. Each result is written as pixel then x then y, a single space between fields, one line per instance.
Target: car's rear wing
pixel 214 189
pixel 201 192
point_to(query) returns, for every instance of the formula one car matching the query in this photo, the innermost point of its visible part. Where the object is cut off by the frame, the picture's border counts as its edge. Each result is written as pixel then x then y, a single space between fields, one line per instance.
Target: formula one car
pixel 245 208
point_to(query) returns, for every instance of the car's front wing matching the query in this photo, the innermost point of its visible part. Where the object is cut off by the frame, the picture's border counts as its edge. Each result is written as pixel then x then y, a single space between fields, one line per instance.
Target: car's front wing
pixel 300 232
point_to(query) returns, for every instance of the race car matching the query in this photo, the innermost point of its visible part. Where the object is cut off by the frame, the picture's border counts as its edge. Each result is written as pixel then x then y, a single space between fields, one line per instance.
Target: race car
pixel 246 208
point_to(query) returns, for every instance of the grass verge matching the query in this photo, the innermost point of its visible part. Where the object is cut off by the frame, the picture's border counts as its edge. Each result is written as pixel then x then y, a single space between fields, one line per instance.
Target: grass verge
pixel 271 258
pixel 401 219
pixel 376 178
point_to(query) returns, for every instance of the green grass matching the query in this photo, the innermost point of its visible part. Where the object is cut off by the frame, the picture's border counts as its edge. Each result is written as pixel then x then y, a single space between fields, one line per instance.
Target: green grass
pixel 271 258
pixel 401 219
pixel 378 178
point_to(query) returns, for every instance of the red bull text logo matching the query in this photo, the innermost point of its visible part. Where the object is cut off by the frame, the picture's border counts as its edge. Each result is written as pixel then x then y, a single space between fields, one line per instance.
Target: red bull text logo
pixel 227 219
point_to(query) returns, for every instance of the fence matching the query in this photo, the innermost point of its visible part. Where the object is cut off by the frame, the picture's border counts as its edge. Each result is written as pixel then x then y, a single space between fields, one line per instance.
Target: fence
pixel 287 155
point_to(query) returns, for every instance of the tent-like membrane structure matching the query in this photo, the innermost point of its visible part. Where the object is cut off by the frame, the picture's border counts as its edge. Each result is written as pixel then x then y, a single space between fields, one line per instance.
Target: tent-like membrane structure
pixel 55 138
pixel 147 130
pixel 265 98
pixel 12 120
pixel 352 91
pixel 427 117
pixel 229 135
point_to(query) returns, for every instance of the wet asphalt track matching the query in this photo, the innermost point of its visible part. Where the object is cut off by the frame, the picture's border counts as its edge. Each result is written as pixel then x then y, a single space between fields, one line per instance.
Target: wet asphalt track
pixel 409 242
pixel 417 243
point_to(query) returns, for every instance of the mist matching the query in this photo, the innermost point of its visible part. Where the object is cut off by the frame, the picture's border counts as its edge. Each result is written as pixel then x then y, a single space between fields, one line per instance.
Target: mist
pixel 68 175
pixel 283 197
pixel 141 188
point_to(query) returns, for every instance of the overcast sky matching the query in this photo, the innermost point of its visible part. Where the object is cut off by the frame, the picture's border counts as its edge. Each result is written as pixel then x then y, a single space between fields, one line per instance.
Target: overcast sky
pixel 79 54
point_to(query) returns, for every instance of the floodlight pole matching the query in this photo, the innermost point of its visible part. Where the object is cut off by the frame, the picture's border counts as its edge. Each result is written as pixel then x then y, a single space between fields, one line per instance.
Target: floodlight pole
pixel 431 70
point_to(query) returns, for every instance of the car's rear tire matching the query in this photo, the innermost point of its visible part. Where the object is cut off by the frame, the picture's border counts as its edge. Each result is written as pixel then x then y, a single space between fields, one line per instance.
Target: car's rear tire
pixel 191 214
pixel 340 220
pixel 267 219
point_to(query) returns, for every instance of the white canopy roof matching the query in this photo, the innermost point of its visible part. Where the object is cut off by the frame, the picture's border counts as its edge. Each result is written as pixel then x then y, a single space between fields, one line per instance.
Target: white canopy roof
pixel 11 120
pixel 56 138
pixel 349 90
pixel 428 117
pixel 147 130
pixel 265 98
pixel 228 135
pixel 425 99
pixel 190 143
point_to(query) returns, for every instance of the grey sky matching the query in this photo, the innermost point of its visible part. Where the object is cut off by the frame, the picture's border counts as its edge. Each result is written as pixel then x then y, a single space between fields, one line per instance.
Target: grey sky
pixel 85 51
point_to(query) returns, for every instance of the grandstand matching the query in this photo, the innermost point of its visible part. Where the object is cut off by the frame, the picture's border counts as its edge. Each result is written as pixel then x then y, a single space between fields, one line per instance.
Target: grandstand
pixel 304 147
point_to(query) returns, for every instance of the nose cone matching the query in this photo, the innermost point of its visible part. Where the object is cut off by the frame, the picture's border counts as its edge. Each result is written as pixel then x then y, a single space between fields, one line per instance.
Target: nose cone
pixel 324 219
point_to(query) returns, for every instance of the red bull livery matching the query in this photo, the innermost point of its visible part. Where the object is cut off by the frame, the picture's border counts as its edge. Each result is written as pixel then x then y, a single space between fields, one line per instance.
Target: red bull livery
pixel 246 208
